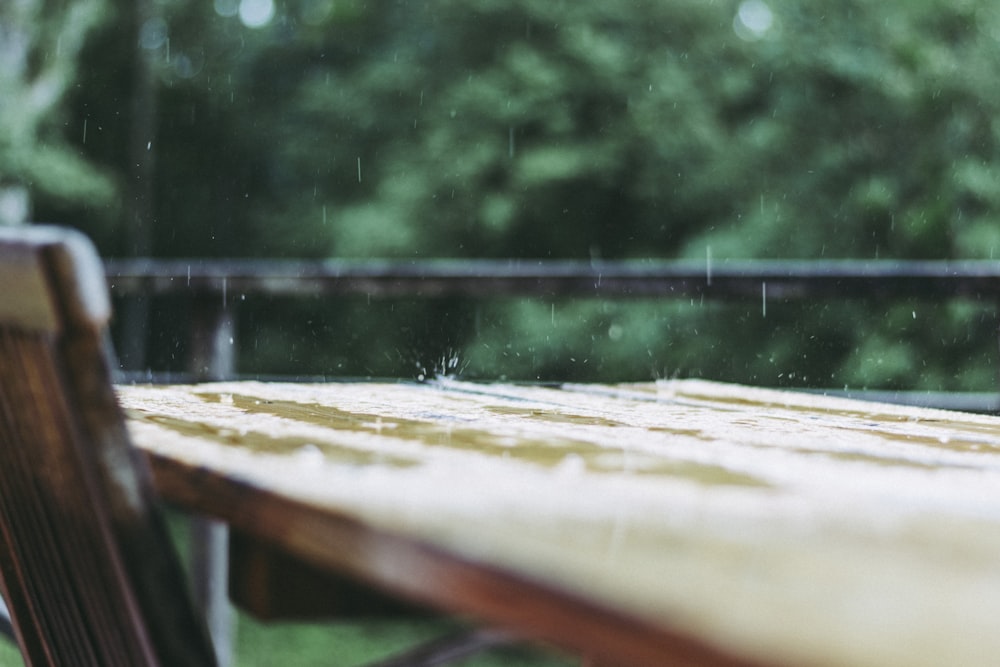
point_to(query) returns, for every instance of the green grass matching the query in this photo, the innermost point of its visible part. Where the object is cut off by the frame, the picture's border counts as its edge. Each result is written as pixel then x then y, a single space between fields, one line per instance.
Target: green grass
pixel 359 643
pixel 9 655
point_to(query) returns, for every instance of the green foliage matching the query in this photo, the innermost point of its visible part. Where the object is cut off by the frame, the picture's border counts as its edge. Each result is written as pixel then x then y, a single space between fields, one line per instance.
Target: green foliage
pixel 9 655
pixel 513 129
pixel 582 129
pixel 61 176
pixel 346 644
pixel 40 42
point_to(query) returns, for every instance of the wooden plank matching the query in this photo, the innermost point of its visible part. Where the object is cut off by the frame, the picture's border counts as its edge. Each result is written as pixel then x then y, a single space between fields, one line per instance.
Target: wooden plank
pixel 706 523
pixel 418 570
pixel 272 584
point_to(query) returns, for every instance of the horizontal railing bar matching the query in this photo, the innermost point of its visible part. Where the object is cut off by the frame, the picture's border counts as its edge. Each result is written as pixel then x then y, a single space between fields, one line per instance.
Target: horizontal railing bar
pixel 637 278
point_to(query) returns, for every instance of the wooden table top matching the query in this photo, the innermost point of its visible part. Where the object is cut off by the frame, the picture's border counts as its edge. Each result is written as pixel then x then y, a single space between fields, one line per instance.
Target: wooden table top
pixel 715 523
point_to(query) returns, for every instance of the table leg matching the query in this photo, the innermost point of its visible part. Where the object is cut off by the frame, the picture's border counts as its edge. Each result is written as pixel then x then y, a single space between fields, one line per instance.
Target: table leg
pixel 209 568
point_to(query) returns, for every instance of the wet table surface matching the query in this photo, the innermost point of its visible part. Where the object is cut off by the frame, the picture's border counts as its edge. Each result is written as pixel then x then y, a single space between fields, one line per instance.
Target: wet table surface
pixel 716 522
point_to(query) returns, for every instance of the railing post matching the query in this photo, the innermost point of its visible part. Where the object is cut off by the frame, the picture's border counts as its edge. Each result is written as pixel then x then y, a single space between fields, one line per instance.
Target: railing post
pixel 213 357
pixel 210 571
pixel 213 340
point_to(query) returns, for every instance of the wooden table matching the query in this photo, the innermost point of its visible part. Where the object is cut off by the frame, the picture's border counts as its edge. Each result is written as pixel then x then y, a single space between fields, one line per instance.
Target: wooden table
pixel 711 523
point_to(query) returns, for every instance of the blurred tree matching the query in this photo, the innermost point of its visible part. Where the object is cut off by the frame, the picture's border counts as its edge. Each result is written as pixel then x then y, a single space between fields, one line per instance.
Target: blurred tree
pixel 559 128
pixel 40 44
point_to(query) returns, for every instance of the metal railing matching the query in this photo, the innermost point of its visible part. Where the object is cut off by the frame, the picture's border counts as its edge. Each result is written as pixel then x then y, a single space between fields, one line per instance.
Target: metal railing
pixel 216 287
pixel 636 278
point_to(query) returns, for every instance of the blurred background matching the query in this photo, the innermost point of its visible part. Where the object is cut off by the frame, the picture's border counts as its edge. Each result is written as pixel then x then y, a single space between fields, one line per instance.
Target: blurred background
pixel 528 129
pixel 582 129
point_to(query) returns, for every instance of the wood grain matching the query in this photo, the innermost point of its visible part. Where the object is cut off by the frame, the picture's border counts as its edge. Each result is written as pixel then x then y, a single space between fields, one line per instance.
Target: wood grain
pixel 637 524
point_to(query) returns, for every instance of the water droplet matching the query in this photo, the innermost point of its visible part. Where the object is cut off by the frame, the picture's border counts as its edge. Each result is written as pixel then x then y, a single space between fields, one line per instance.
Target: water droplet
pixel 311 455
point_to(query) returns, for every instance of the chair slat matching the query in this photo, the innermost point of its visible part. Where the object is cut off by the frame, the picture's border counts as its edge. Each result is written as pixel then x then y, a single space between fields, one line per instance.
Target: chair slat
pixel 86 565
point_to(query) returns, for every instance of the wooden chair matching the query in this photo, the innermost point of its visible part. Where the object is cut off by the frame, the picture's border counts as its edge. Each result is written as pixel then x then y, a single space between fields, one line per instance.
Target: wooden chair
pixel 86 567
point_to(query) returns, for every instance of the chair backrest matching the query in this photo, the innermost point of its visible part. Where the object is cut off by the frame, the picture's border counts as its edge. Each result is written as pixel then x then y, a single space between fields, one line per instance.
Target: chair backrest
pixel 86 566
